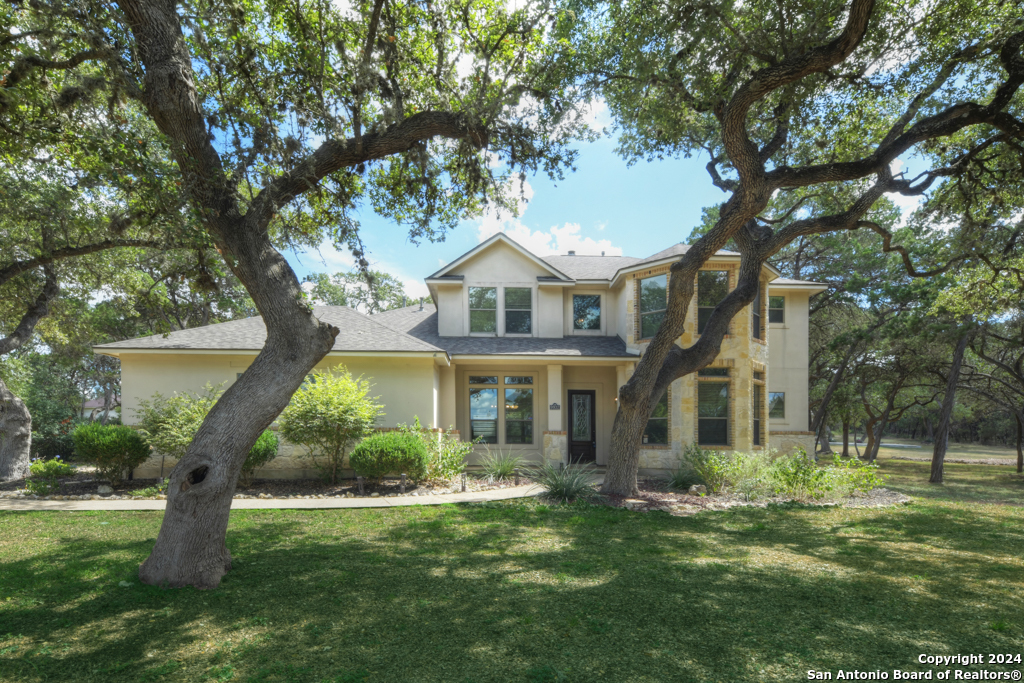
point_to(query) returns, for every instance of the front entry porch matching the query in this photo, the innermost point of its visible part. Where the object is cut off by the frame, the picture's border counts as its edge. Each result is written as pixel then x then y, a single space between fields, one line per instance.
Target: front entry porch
pixel 558 412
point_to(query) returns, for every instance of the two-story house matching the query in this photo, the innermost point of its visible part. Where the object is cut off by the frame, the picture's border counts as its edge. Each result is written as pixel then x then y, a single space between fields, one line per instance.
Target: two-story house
pixel 527 353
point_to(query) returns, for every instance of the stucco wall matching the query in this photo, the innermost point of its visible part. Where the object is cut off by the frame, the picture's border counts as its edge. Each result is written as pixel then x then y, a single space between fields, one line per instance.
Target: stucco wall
pixel 405 387
pixel 788 358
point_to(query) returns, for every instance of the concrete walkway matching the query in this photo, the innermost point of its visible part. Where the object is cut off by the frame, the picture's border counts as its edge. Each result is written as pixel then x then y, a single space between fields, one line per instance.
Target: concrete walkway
pixel 525 491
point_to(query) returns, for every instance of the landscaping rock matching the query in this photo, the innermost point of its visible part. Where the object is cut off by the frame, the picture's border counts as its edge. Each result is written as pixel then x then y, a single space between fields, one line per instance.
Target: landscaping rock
pixel 374 495
pixel 698 490
pixel 103 488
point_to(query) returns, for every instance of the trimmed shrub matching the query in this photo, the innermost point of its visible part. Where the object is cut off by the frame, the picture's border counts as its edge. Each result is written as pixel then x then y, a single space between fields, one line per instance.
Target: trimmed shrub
pixel 262 452
pixel 328 413
pixel 114 449
pixel 44 475
pixel 384 453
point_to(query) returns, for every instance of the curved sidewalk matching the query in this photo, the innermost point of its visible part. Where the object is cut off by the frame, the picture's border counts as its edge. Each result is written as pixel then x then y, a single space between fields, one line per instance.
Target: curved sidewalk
pixel 525 491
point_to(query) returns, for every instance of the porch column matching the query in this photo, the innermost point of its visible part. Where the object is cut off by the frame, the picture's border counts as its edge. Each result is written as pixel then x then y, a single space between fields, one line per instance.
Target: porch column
pixel 555 410
pixel 556 446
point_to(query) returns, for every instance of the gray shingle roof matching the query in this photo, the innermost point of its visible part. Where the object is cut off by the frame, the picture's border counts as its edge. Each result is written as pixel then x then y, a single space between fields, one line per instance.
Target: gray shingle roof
pixel 358 332
pixel 590 267
pixel 605 267
pixel 422 324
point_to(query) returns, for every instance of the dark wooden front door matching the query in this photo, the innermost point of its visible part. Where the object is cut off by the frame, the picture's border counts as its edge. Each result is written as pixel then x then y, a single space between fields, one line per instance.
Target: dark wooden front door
pixel 582 433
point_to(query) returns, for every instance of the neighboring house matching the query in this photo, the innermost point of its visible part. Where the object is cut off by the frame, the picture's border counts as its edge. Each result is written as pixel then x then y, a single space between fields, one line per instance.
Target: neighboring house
pixel 527 354
pixel 93 409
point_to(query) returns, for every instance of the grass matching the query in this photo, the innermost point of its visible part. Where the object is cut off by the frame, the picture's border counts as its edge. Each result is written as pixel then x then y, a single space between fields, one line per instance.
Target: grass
pixel 953 450
pixel 522 591
pixel 999 484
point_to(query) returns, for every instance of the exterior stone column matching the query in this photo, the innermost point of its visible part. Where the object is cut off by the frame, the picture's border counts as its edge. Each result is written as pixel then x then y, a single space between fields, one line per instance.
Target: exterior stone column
pixel 556 447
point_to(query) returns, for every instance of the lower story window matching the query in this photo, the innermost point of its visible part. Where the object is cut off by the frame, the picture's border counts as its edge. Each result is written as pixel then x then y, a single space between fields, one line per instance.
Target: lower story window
pixel 519 415
pixel 657 424
pixel 713 414
pixel 757 414
pixel 513 418
pixel 483 415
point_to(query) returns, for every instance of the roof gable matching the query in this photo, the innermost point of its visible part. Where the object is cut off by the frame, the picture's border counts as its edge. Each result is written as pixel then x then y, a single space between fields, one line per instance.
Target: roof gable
pixel 495 242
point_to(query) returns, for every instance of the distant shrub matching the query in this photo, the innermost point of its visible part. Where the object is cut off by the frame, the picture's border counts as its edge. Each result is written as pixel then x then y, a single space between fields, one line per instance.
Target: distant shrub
pixel 44 475
pixel 500 465
pixel 262 452
pixel 384 453
pixel 563 484
pixel 114 449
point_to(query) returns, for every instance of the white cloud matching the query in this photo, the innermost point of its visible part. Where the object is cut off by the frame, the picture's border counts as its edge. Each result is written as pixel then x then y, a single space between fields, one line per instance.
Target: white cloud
pixel 596 114
pixel 556 240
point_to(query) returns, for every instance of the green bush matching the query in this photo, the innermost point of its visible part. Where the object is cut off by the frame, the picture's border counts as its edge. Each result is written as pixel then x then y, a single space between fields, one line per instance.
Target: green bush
pixel 262 452
pixel 500 465
pixel 328 413
pixel 44 475
pixel 563 484
pixel 170 424
pixel 446 453
pixel 114 449
pixel 711 467
pixel 384 453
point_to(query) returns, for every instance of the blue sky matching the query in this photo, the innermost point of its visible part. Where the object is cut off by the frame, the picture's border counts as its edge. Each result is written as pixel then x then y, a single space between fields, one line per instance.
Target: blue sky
pixel 603 206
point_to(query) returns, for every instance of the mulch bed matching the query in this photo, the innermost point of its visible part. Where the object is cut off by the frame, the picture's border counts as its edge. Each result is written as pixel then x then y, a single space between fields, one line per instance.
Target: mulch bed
pixel 86 483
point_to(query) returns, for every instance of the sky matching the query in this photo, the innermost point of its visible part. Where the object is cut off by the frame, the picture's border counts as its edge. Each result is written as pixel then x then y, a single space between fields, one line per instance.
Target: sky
pixel 602 206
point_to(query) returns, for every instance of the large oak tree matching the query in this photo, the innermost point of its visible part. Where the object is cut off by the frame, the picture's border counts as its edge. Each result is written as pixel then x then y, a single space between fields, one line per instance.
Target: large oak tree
pixel 789 100
pixel 280 117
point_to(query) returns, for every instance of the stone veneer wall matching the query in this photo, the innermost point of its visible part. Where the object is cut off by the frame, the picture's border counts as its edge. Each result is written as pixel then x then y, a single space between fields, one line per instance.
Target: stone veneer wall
pixel 291 461
pixel 742 354
pixel 556 447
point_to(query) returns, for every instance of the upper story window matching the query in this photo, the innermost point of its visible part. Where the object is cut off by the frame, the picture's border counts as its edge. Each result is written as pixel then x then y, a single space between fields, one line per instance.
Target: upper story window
pixel 756 308
pixel 483 309
pixel 653 302
pixel 776 309
pixel 777 404
pixel 712 286
pixel 586 311
pixel 518 310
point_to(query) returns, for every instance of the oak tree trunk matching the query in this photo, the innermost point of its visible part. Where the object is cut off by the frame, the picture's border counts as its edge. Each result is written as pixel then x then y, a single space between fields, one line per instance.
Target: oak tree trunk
pixel 15 435
pixel 948 401
pixel 846 438
pixel 869 438
pixel 1020 444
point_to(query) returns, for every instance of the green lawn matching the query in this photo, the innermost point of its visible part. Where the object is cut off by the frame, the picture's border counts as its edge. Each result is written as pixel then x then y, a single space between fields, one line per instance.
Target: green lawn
pixel 521 592
pixel 969 451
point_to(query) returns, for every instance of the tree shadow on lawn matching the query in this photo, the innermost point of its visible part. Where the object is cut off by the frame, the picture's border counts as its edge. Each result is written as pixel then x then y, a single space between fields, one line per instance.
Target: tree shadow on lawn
pixel 995 484
pixel 524 592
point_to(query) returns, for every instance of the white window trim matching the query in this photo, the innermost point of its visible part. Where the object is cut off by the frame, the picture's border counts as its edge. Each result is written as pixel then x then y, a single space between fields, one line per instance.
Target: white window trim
pixel 500 310
pixel 603 330
pixel 500 387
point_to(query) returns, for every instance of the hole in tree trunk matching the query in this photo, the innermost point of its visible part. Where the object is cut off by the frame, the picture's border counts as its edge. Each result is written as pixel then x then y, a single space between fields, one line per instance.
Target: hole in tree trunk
pixel 194 477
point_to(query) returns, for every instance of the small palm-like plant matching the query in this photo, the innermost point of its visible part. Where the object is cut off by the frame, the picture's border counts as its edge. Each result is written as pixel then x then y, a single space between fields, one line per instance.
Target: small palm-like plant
pixel 500 465
pixel 563 484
